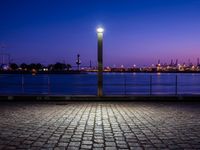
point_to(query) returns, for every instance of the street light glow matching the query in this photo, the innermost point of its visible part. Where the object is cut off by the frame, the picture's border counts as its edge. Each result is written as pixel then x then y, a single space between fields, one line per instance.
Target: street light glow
pixel 100 30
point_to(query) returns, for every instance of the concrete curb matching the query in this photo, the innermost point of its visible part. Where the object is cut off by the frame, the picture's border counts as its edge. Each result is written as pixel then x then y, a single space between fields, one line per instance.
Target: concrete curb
pixel 189 98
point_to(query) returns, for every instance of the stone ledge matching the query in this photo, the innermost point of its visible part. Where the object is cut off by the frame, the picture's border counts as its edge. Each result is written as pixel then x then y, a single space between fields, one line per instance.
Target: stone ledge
pixel 96 98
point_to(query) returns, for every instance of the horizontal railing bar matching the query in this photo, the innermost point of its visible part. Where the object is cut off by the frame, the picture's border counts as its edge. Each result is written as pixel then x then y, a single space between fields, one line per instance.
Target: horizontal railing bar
pixel 104 84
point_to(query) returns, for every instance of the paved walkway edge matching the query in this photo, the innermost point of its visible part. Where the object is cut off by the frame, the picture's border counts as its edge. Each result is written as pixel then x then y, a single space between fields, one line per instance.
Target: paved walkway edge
pixel 96 98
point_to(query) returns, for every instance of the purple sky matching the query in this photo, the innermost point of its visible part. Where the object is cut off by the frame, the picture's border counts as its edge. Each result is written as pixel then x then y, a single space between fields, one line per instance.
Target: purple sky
pixel 136 31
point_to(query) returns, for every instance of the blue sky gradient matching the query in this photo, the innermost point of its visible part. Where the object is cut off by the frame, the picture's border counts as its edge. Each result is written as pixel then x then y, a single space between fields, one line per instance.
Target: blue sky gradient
pixel 136 31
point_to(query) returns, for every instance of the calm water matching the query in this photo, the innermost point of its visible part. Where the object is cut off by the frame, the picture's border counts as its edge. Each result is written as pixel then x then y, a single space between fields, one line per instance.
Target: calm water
pixel 114 84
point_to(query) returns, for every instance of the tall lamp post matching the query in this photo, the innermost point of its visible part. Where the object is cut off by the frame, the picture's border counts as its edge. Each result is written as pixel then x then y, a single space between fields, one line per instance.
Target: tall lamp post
pixel 100 61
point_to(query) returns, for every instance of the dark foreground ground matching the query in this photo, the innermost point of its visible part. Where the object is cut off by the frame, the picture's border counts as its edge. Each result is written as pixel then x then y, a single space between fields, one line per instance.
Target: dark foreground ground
pixel 99 125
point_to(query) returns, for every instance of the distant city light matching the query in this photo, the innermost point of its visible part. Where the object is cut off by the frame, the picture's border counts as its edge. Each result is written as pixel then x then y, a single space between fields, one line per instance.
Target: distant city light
pixel 100 30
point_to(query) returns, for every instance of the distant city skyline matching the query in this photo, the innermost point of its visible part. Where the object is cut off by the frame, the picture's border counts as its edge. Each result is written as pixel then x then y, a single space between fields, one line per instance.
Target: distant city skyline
pixel 137 32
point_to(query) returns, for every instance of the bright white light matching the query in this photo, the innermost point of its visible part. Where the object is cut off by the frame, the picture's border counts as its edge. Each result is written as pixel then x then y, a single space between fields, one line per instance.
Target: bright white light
pixel 100 30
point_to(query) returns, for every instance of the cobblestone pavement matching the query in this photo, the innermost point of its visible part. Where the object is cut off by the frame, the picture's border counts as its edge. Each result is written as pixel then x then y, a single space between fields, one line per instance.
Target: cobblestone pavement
pixel 99 126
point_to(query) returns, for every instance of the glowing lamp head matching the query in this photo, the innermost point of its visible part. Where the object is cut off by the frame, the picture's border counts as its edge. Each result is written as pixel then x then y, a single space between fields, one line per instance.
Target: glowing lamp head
pixel 100 30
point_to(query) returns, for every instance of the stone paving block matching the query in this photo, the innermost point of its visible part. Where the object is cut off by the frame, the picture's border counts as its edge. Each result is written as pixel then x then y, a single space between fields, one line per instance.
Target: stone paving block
pixel 86 146
pixel 109 139
pixel 49 145
pixel 74 144
pixel 38 144
pixel 88 138
pixel 136 148
pixel 98 148
pixel 59 148
pixel 122 146
pixel 87 142
pixel 35 148
pixel 63 144
pixel 9 148
pixel 98 145
pixel 73 148
pixel 23 146
pixel 134 144
pixel 111 148
pixel 14 143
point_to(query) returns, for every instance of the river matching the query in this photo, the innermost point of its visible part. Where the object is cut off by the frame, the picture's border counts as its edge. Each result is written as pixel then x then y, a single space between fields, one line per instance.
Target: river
pixel 114 84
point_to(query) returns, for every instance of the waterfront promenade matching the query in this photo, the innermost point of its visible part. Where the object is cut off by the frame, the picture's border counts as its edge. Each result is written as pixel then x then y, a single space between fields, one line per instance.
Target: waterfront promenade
pixel 99 125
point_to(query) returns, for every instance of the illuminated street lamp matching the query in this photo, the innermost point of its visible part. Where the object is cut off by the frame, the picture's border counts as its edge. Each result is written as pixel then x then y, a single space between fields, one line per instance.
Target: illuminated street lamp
pixel 100 30
pixel 100 60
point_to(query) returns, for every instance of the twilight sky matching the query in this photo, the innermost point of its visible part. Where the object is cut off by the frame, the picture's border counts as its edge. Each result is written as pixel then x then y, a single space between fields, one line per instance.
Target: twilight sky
pixel 136 31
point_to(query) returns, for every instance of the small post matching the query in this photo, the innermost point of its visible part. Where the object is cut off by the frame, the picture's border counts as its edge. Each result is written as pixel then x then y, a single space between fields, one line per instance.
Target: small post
pixel 22 83
pixel 176 85
pixel 150 84
pixel 124 85
pixel 48 85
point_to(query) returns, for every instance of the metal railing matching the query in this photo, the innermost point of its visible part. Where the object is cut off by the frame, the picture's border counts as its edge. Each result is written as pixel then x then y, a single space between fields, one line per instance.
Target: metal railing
pixel 140 84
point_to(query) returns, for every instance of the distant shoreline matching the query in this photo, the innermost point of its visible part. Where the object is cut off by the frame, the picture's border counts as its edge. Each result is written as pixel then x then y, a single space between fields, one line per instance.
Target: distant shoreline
pixel 85 72
pixel 42 72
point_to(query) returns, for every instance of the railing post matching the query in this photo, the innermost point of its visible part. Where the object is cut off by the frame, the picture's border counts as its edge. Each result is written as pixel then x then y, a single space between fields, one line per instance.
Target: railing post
pixel 22 83
pixel 48 84
pixel 176 85
pixel 124 85
pixel 150 84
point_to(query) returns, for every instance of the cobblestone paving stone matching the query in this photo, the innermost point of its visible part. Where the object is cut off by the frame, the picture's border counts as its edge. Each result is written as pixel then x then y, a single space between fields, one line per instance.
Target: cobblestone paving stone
pixel 99 126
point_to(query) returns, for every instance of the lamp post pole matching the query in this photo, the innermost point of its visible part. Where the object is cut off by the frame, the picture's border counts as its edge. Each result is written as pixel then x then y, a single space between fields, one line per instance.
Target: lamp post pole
pixel 100 61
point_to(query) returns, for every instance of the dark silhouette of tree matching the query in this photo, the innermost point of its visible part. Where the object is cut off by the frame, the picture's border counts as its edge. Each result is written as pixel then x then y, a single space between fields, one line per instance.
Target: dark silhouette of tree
pixel 32 66
pixel 50 67
pixel 39 66
pixel 68 66
pixel 14 66
pixel 59 66
pixel 24 66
